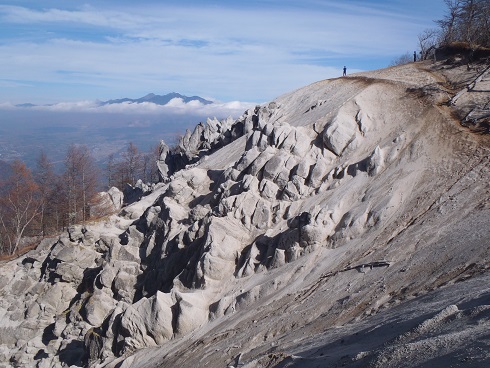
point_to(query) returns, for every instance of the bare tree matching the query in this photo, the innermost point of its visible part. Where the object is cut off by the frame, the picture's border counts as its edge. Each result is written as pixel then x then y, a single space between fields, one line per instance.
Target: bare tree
pixel 131 164
pixel 80 178
pixel 428 41
pixel 402 59
pixel 45 178
pixel 145 167
pixel 149 167
pixel 19 206
pixel 111 170
pixel 466 21
pixel 448 23
pixel 58 210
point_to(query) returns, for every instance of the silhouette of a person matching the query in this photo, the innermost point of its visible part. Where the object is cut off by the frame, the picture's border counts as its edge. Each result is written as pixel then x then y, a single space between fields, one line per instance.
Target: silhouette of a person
pixel 345 71
pixel 414 56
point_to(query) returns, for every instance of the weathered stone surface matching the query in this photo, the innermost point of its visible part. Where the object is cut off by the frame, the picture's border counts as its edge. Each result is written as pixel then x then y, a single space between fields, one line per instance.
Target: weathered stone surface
pixel 302 143
pixel 164 170
pixel 147 322
pixel 57 296
pixel 261 217
pixel 106 276
pixel 106 203
pixel 192 312
pixel 279 135
pixel 124 284
pixel 218 261
pixel 318 173
pixel 291 192
pixel 98 307
pixel 375 162
pixel 179 190
pixel 93 345
pixel 269 189
pixel 247 159
pixel 117 198
pixel 339 133
pixel 69 272
pixel 261 160
pixel 274 167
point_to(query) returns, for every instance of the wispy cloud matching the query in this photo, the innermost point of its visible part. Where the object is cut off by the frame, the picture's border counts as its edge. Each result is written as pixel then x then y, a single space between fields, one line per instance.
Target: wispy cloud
pixel 86 15
pixel 244 51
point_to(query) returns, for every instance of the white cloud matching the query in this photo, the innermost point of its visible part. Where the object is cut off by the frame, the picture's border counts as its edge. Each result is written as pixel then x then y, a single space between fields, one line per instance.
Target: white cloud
pixel 78 106
pixel 229 52
pixel 175 106
pixel 88 15
pixel 7 106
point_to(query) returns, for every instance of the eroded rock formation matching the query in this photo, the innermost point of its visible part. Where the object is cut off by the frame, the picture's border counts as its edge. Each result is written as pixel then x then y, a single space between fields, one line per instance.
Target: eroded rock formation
pixel 256 232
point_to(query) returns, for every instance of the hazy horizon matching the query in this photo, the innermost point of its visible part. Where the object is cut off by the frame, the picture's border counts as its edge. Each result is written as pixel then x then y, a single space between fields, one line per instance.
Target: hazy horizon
pixel 24 133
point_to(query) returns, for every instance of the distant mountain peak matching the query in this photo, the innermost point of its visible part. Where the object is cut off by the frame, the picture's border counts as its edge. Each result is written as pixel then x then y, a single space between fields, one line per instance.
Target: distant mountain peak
pixel 158 99
pixel 26 105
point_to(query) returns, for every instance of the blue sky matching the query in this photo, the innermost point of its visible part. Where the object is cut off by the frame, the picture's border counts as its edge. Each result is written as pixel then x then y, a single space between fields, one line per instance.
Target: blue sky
pixel 53 51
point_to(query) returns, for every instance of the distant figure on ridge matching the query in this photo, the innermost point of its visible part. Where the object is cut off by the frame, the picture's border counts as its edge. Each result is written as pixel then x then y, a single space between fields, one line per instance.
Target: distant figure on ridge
pixel 345 72
pixel 414 56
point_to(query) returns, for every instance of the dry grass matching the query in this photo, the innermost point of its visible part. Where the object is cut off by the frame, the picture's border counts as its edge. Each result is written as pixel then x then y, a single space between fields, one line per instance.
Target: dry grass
pixel 20 252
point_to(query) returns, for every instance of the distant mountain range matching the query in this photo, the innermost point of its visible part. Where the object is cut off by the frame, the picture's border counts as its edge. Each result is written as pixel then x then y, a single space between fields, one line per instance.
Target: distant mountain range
pixel 151 97
pixel 158 99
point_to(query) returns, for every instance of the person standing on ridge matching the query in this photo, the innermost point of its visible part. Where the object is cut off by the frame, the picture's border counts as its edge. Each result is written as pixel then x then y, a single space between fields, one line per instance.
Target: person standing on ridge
pixel 345 72
pixel 414 56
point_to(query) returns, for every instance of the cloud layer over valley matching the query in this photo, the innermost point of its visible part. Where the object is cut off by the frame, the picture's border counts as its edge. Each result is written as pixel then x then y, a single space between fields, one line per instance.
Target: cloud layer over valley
pixel 175 106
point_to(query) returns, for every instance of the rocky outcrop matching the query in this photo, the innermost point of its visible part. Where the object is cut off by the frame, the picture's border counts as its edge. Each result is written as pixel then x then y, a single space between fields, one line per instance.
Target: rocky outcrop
pixel 260 224
pixel 203 140
pixel 106 203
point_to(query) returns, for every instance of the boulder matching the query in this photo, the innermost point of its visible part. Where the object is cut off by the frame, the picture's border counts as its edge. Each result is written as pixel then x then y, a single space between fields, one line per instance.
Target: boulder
pixel 57 297
pixel 106 203
pixel 302 143
pixel 106 276
pixel 247 159
pixel 261 160
pixel 268 189
pixel 275 166
pixel 98 307
pixel 192 312
pixel 194 143
pixel 339 132
pixel 375 162
pixel 93 343
pixel 164 161
pixel 117 198
pixel 318 173
pixel 147 322
pixel 279 135
pixel 223 245
pixel 179 190
pixel 261 217
pixel 124 285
